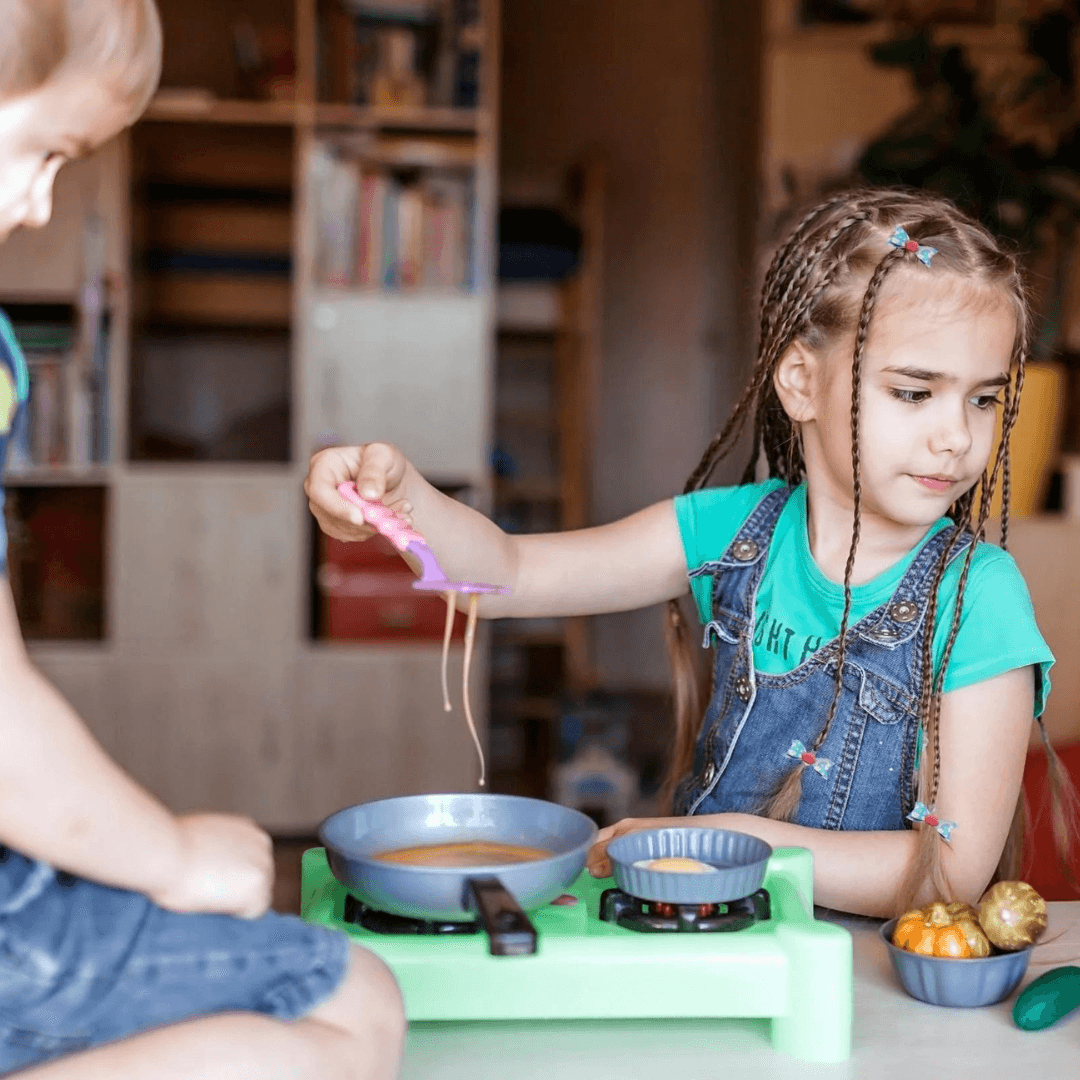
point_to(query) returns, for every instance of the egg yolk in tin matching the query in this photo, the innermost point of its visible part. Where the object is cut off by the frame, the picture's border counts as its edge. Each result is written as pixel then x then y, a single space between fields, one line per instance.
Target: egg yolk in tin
pixel 676 865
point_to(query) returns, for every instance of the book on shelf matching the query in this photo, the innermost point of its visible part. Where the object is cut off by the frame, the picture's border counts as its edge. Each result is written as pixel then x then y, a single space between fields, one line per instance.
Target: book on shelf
pixel 338 201
pixel 370 227
pixel 65 422
pixel 388 263
pixel 380 227
pixel 447 228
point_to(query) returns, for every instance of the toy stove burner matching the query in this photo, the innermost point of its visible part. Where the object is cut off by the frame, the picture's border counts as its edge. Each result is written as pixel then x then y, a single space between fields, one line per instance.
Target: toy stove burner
pixel 655 917
pixel 383 922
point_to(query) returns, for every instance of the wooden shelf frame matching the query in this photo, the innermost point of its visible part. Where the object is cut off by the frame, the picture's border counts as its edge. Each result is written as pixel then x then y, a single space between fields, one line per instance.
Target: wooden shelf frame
pixel 221 111
pixel 297 114
pixel 574 338
pixel 304 110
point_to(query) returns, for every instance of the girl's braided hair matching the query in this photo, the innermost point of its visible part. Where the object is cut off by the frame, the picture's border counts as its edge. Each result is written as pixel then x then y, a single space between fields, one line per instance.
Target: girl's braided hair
pixel 824 282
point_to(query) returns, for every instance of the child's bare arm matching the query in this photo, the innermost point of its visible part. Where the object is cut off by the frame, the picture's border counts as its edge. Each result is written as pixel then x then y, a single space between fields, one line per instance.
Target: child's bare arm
pixel 628 564
pixel 64 801
pixel 984 734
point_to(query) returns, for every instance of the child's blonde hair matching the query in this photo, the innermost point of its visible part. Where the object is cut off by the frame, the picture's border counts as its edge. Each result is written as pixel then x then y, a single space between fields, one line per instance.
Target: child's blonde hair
pixel 824 282
pixel 117 43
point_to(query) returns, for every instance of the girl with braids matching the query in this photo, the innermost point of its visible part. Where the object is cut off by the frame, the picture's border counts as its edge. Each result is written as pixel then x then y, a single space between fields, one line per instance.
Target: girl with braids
pixel 877 664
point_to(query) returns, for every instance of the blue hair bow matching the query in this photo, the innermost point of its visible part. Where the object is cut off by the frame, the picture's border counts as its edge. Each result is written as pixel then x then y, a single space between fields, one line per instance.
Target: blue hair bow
pixel 808 757
pixel 926 814
pixel 900 239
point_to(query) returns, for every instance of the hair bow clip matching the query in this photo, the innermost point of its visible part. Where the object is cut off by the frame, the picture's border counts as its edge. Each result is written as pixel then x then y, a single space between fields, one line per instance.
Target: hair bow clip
pixel 900 239
pixel 926 814
pixel 808 757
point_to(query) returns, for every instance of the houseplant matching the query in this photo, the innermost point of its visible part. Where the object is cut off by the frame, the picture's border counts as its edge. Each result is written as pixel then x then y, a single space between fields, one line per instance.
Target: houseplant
pixel 1006 149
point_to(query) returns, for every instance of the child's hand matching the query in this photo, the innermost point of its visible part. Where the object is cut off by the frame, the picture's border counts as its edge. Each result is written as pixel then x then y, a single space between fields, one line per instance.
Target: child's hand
pixel 597 862
pixel 226 868
pixel 379 470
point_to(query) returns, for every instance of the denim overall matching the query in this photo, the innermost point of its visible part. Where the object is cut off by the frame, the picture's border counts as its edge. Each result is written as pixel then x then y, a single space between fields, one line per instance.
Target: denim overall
pixel 753 717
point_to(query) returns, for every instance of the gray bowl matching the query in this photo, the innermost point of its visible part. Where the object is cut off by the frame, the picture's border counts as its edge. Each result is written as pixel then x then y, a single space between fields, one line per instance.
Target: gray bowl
pixel 958 984
pixel 740 859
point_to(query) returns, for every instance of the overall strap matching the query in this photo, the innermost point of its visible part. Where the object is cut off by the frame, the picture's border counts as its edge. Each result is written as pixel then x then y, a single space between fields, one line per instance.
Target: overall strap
pixel 752 540
pixel 739 569
pixel 906 610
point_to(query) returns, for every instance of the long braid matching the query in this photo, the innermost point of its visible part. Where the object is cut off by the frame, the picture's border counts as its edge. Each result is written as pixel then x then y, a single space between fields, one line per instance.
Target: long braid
pixel 928 862
pixel 770 307
pixel 1006 475
pixel 961 514
pixel 1064 801
pixel 804 270
pixel 777 335
pixel 814 259
pixel 735 425
pixel 783 459
pixel 784 802
pixel 771 349
pixel 730 432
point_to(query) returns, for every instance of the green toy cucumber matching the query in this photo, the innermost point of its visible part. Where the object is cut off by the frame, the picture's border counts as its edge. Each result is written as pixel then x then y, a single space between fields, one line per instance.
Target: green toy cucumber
pixel 1048 999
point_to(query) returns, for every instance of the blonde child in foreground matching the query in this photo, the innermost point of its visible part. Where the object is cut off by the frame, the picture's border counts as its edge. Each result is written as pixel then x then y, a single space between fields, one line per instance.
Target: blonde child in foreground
pixel 875 671
pixel 123 927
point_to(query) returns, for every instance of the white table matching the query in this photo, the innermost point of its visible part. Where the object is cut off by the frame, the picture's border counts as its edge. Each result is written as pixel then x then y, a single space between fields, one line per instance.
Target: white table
pixel 894 1036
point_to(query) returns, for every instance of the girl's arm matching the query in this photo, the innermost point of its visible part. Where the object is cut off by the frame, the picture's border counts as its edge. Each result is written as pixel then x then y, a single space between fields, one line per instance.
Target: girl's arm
pixel 628 564
pixel 984 736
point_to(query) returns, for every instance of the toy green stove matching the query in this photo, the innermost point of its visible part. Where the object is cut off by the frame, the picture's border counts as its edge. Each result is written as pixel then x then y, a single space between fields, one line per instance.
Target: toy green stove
pixel 602 954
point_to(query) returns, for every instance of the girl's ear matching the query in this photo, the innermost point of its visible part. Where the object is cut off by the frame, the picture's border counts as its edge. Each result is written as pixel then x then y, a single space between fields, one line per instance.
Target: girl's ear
pixel 796 381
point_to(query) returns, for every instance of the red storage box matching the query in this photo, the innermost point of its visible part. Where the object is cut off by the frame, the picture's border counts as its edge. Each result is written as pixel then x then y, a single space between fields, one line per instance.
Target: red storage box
pixel 367 595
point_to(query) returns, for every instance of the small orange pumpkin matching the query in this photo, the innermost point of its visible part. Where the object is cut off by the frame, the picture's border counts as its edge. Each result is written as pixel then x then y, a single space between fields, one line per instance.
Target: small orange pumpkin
pixel 949 930
pixel 909 929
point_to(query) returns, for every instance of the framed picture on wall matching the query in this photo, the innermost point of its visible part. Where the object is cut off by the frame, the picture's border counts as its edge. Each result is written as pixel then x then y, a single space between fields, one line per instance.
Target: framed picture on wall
pixel 856 12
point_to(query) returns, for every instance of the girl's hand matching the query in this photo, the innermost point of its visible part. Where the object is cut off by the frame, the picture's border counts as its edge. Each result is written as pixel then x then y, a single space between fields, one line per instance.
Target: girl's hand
pixel 379 470
pixel 226 867
pixel 597 862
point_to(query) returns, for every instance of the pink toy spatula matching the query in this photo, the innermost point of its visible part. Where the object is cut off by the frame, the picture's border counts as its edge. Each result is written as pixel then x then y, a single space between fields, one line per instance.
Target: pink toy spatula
pixel 404 538
pixel 432 579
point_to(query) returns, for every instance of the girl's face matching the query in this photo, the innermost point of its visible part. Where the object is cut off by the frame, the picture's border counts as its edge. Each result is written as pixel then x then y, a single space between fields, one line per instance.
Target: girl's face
pixel 934 369
pixel 38 133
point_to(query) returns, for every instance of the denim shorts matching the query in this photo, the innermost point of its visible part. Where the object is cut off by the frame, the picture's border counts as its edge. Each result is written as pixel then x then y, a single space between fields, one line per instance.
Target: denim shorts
pixel 83 964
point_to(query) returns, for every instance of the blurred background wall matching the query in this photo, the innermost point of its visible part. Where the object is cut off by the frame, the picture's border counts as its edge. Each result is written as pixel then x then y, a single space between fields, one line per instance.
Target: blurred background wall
pixel 665 91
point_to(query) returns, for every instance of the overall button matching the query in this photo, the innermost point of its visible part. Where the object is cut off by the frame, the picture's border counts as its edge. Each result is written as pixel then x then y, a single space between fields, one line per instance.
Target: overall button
pixel 743 687
pixel 744 550
pixel 904 610
pixel 709 773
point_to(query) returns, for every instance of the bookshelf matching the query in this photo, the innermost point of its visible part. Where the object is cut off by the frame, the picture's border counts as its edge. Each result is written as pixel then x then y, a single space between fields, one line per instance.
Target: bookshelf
pixel 547 379
pixel 199 661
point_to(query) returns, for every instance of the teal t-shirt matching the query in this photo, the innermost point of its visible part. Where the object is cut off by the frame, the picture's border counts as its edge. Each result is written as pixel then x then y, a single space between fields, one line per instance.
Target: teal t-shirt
pixel 798 609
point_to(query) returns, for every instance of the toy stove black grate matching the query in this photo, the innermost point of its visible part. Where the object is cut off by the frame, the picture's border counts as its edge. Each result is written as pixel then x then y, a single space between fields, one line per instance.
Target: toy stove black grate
pixel 383 922
pixel 630 912
pixel 656 917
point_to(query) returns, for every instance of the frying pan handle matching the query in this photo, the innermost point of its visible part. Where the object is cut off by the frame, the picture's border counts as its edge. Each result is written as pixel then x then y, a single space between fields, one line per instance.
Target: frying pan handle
pixel 508 928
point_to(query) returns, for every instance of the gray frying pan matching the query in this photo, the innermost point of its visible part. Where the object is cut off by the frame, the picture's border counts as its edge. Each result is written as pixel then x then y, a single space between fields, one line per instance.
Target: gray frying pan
pixel 498 895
